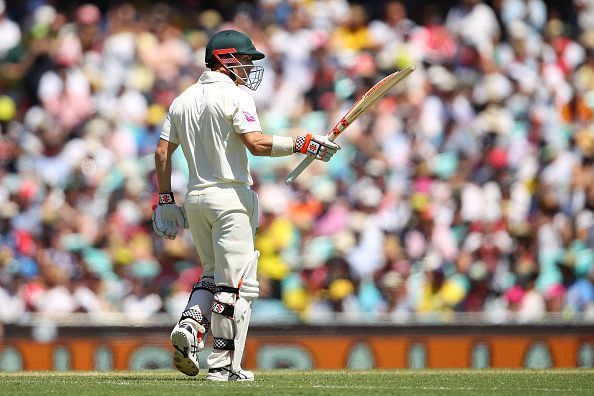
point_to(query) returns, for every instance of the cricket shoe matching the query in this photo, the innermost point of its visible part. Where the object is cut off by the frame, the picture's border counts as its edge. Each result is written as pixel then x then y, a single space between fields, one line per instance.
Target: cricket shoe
pixel 225 374
pixel 184 339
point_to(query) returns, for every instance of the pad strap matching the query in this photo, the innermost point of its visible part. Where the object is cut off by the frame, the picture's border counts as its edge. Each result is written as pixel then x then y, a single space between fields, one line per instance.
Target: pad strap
pixel 192 314
pixel 228 289
pixel 223 343
pixel 224 309
pixel 205 283
pixel 197 316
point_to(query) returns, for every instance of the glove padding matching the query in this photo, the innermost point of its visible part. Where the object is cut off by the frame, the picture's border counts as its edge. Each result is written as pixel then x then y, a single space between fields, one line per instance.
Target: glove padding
pixel 167 218
pixel 317 146
pixel 249 289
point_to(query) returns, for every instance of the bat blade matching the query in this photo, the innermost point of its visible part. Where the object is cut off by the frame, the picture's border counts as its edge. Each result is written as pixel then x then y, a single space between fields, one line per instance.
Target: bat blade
pixel 369 99
pixel 365 102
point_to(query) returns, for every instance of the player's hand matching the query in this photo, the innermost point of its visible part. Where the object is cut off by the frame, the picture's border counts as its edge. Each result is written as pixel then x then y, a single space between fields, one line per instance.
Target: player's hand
pixel 317 146
pixel 167 217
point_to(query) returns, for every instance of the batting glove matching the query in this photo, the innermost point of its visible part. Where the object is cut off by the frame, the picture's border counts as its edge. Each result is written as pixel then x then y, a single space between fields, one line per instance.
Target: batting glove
pixel 317 146
pixel 167 216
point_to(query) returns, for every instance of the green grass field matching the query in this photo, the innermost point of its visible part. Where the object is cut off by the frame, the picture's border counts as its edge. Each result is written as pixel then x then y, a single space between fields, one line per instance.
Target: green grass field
pixel 403 382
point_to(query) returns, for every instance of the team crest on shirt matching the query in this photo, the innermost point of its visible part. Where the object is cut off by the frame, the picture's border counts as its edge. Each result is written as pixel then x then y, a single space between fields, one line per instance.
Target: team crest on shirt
pixel 249 117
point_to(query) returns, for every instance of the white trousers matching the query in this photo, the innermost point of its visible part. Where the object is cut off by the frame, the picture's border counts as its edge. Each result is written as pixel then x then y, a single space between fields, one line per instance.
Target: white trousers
pixel 223 223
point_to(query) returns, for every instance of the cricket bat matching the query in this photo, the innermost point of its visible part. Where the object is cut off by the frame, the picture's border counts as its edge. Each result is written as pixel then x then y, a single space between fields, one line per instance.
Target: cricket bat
pixel 372 96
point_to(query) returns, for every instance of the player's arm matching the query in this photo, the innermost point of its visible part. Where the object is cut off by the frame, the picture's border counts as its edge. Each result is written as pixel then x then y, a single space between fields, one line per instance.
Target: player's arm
pixel 258 143
pixel 261 144
pixel 167 216
pixel 163 155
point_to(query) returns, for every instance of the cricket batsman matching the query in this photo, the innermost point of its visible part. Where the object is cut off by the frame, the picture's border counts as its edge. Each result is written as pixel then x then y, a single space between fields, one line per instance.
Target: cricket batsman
pixel 214 121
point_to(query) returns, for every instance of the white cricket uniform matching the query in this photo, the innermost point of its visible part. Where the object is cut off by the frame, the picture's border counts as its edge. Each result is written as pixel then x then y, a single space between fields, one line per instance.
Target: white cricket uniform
pixel 222 210
pixel 206 120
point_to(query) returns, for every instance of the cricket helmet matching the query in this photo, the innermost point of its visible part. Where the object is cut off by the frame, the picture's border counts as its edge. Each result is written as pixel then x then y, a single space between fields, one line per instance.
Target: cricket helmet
pixel 224 46
pixel 231 39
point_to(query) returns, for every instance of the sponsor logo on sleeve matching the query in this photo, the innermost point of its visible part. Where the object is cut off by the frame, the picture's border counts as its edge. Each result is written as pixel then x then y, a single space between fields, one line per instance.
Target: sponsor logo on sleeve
pixel 249 116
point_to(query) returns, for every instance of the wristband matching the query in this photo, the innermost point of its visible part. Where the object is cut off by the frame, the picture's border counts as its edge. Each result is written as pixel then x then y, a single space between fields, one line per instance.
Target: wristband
pixel 281 146
pixel 166 198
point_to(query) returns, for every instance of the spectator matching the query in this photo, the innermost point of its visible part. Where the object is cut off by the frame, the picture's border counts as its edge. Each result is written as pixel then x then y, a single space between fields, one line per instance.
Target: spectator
pixel 10 31
pixel 468 188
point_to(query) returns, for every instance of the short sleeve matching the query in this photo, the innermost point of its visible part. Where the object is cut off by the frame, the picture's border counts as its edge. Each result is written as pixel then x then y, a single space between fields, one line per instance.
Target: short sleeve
pixel 169 132
pixel 245 118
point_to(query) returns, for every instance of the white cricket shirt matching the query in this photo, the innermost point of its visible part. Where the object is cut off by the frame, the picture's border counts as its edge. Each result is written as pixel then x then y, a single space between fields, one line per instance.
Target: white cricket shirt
pixel 206 120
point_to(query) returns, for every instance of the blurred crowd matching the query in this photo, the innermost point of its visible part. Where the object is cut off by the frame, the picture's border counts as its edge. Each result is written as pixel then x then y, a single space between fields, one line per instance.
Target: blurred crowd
pixel 468 188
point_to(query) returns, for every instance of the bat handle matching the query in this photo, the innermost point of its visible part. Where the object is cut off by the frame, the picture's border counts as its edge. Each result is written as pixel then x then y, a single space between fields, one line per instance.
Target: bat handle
pixel 300 168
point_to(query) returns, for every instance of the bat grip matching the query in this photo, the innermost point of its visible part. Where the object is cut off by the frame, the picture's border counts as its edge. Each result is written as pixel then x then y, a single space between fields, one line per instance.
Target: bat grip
pixel 300 168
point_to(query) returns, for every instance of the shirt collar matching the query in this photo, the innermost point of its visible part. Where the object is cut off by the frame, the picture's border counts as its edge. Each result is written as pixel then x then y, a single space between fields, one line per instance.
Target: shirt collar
pixel 213 76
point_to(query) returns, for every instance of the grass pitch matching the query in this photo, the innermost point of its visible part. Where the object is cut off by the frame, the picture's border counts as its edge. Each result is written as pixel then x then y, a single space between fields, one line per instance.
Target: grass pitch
pixel 378 382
